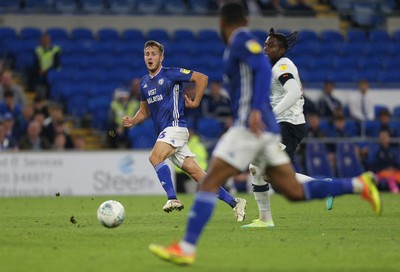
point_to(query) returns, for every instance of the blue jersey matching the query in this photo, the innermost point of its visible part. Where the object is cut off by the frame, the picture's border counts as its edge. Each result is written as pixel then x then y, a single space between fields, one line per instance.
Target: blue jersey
pixel 247 77
pixel 163 94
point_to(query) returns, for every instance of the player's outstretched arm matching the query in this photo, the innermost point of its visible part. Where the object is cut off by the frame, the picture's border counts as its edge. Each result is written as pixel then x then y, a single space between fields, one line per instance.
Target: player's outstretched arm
pixel 201 81
pixel 142 114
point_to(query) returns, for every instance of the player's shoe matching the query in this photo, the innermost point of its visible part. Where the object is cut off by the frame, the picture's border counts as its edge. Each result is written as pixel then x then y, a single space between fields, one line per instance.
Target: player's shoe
pixel 172 253
pixel 257 223
pixel 370 192
pixel 329 203
pixel 173 204
pixel 239 209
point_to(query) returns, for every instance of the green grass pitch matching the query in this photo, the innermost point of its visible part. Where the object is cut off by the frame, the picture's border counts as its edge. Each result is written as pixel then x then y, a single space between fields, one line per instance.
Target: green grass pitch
pixel 37 235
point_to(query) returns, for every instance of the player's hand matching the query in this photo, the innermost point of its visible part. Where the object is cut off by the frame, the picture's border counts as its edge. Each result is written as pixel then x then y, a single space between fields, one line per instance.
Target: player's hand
pixel 127 121
pixel 256 124
pixel 189 103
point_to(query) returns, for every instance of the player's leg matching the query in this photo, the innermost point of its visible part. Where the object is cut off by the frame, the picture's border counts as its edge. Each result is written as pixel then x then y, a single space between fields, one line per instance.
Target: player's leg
pixel 160 152
pixel 191 167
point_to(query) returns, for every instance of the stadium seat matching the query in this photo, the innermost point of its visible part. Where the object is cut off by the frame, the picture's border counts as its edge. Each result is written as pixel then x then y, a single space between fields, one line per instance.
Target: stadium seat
pixel 356 36
pixel 24 61
pixel 133 35
pixel 9 6
pixel 30 33
pixel 174 6
pixel 396 112
pixel 77 105
pixel 199 6
pixel 148 6
pixel 331 36
pixel 347 162
pixel 378 108
pixel 38 6
pixel 121 6
pixel 92 6
pixel 371 128
pixel 58 34
pixel 8 33
pixel 307 36
pixel 158 34
pixel 379 36
pixel 183 35
pixel 317 164
pixel 66 6
pixel 209 131
pixel 107 34
pixel 81 33
pixel 207 35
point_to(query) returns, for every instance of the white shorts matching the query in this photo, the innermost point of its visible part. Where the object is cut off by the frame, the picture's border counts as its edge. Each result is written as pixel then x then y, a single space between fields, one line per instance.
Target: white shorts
pixel 178 138
pixel 239 147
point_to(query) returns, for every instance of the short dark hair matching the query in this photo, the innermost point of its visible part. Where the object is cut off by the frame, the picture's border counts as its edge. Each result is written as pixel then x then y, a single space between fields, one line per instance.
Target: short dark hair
pixel 156 44
pixel 233 13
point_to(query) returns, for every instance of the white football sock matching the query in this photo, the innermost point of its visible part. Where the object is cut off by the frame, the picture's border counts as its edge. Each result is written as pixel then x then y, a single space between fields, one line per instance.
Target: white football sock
pixel 358 185
pixel 187 247
pixel 262 198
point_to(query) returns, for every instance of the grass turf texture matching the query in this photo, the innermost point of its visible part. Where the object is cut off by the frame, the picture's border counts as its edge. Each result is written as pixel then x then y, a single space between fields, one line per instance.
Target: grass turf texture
pixel 38 235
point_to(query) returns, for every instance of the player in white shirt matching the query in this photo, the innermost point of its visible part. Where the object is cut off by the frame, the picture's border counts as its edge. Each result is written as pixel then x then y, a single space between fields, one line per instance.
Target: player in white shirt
pixel 286 95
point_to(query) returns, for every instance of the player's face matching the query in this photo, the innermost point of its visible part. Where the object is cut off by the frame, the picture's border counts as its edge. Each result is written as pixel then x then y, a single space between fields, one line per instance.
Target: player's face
pixel 273 49
pixel 153 58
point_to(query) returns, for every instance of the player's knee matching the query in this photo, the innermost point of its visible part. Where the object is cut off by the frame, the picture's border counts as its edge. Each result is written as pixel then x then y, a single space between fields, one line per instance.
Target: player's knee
pixel 294 194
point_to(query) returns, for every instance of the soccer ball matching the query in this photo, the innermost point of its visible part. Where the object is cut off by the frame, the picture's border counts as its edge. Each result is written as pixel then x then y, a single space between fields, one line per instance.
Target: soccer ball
pixel 111 214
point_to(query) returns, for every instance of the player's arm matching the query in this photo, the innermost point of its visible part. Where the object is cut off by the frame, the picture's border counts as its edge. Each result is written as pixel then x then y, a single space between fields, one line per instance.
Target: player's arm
pixel 293 93
pixel 142 114
pixel 201 81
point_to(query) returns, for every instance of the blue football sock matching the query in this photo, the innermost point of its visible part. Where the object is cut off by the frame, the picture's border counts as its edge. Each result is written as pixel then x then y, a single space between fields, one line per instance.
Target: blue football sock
pixel 164 175
pixel 201 212
pixel 226 197
pixel 320 188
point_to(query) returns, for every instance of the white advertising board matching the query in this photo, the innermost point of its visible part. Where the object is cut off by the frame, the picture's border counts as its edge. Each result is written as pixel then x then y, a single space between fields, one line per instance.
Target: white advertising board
pixel 78 173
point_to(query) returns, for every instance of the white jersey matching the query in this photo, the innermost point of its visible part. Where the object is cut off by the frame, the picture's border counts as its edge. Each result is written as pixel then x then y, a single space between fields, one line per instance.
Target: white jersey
pixel 294 114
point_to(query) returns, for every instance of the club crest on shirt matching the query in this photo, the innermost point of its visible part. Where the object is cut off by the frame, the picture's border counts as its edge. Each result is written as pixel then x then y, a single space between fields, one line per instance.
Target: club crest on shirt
pixel 184 71
pixel 160 81
pixel 283 67
pixel 253 46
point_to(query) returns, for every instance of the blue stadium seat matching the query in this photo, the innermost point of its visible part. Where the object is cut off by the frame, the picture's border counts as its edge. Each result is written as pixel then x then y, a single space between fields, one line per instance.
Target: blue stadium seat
pixel 347 162
pixel 77 105
pixel 30 33
pixel 66 6
pixel 58 34
pixel 81 33
pixel 371 128
pixel 158 34
pixel 143 135
pixel 356 36
pixel 9 6
pixel 148 6
pixel 183 35
pixel 209 131
pixel 8 33
pixel 107 34
pixel 379 36
pixel 378 108
pixel 133 35
pixel 317 164
pixel 331 36
pixel 396 112
pixel 174 6
pixel 343 74
pixel 121 6
pixel 332 48
pixel 307 35
pixel 365 72
pixel 24 61
pixel 199 6
pixel 207 35
pixel 92 6
pixel 38 6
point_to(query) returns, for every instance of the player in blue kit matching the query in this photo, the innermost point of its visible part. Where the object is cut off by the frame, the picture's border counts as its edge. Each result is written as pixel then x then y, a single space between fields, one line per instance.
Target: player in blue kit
pixel 162 98
pixel 254 137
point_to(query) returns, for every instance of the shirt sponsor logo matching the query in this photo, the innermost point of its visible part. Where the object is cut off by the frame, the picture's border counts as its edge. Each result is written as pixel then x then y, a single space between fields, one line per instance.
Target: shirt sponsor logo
pixel 253 46
pixel 160 81
pixel 283 67
pixel 184 71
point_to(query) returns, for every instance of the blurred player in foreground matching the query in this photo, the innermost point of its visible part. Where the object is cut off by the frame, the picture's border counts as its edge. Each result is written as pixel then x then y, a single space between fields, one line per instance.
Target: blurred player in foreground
pixel 161 98
pixel 287 103
pixel 254 137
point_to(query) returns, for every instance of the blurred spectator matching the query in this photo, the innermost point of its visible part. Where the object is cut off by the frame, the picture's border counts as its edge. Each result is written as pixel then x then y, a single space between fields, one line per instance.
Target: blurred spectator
pixel 6 143
pixel 120 106
pixel 263 7
pixel 79 143
pixel 309 106
pixel 384 160
pixel 384 118
pixel 215 104
pixel 9 104
pixel 7 83
pixel 313 126
pixel 198 148
pixel 9 126
pixel 33 140
pixel 360 103
pixel 40 105
pixel 299 8
pixel 61 129
pixel 135 89
pixel 59 142
pixel 27 114
pixel 55 118
pixel 328 105
pixel 47 58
